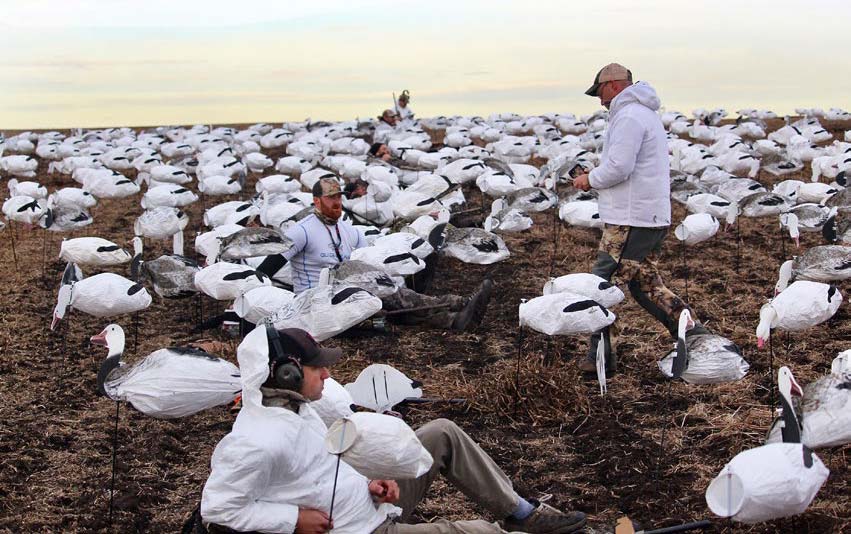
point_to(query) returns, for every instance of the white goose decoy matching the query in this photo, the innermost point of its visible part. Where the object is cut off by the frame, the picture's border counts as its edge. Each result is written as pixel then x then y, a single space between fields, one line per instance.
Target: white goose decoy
pixel 772 481
pixel 363 275
pixel 531 199
pixel 800 306
pixel 405 242
pixel 64 218
pixel 24 209
pixel 825 408
pixel 584 213
pixel 220 184
pixel 253 242
pixel 380 387
pixel 160 223
pixel 94 251
pixel 696 228
pixel 806 217
pixel 710 358
pixel 474 245
pixel 29 189
pixel 587 284
pixel 394 261
pixel 325 311
pixel 257 304
pixel 101 295
pixel 104 183
pixel 564 314
pixel 226 281
pixel 763 205
pixel 170 195
pixel 506 219
pixel 825 263
pixel 168 383
pixel 73 196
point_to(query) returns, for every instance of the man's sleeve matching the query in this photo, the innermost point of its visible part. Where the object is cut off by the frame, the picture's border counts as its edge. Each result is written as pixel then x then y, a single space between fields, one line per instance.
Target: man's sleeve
pixel 232 496
pixel 298 234
pixel 623 145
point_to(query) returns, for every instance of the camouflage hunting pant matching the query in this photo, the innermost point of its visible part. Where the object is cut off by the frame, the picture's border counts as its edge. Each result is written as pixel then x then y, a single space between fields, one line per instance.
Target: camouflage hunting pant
pixel 438 312
pixel 626 257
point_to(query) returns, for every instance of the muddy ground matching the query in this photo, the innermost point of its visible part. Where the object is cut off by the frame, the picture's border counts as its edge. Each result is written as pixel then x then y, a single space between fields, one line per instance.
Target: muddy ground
pixel 648 449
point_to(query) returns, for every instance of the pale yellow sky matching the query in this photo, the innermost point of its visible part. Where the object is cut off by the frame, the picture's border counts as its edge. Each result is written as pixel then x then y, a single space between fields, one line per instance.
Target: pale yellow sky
pixel 116 62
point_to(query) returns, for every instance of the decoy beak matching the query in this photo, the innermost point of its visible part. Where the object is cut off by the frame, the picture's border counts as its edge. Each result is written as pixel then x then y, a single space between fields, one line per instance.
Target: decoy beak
pixel 99 339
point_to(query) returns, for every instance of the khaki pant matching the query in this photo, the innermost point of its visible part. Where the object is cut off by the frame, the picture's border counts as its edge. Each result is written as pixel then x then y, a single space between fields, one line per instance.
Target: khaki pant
pixel 406 299
pixel 463 463
pixel 626 258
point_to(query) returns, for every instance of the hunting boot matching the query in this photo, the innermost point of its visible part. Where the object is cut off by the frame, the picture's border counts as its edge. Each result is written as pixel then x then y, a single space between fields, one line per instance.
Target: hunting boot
pixel 546 520
pixel 589 363
pixel 474 311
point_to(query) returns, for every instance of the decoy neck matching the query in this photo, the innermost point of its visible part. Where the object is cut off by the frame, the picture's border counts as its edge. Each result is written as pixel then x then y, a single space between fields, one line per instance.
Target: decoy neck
pixel 785 276
pixel 111 337
pixel 680 362
pixel 767 315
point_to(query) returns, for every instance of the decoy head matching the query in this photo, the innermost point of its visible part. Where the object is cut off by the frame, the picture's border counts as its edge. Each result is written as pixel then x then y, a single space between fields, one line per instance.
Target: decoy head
pixel 787 385
pixel 767 316
pixel 112 337
pixel 785 276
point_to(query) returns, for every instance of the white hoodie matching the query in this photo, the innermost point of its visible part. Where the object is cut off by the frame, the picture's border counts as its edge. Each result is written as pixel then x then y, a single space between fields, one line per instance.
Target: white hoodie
pixel 274 462
pixel 633 179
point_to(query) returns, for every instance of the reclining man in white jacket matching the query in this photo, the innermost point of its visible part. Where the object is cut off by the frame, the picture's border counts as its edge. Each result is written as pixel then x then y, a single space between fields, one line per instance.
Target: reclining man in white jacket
pixel 634 185
pixel 273 473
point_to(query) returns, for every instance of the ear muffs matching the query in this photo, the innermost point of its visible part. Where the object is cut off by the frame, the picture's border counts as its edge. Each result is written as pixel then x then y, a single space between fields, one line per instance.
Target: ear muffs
pixel 285 370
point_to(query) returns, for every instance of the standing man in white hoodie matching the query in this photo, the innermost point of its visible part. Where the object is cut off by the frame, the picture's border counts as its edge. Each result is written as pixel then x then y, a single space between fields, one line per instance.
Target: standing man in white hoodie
pixel 634 186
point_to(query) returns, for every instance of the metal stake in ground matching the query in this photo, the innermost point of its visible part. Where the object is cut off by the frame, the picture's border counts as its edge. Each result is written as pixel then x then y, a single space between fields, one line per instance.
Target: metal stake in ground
pixel 517 373
pixel 12 237
pixel 685 268
pixel 114 453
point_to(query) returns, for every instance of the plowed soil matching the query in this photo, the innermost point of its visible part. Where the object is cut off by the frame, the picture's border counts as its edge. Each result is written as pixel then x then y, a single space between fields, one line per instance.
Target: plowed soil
pixel 648 449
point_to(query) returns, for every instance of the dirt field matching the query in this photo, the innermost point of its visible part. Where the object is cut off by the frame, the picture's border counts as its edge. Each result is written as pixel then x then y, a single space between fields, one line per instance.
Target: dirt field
pixel 554 435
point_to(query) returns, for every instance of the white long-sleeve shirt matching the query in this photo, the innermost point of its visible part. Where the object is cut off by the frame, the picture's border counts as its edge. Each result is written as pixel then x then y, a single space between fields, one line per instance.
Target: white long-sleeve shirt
pixel 633 180
pixel 313 248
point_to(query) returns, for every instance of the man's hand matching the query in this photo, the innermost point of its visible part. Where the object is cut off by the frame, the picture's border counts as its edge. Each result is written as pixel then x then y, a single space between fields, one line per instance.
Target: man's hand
pixel 384 490
pixel 312 522
pixel 582 182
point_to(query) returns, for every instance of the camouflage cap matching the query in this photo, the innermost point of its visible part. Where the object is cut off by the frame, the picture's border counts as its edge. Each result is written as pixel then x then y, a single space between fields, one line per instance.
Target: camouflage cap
pixel 327 187
pixel 610 73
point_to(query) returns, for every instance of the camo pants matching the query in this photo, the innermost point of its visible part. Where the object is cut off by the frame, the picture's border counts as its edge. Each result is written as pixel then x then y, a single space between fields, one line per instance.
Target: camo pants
pixel 438 312
pixel 626 257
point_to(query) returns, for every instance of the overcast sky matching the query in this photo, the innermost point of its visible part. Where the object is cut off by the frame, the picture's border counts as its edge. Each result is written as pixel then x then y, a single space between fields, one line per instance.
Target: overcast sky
pixel 117 62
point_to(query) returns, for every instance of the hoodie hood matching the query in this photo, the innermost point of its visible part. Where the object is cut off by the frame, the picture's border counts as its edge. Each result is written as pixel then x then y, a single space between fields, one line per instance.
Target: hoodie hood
pixel 639 92
pixel 253 357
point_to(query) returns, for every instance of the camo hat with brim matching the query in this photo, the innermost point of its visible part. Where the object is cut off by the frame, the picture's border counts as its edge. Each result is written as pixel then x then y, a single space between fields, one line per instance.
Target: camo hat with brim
pixel 610 73
pixel 327 187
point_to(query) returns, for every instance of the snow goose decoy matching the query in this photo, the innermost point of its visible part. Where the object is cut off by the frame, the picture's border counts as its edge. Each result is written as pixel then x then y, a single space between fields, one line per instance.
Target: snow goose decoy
pixel 396 261
pixel 94 251
pixel 564 314
pixel 584 213
pixel 363 275
pixel 380 387
pixel 825 263
pixel 101 295
pixel 325 311
pixel 763 205
pixel 24 209
pixel 590 285
pixel 170 195
pixel 710 358
pixel 253 242
pixel 227 281
pixel 800 306
pixel 506 219
pixel 160 223
pixel 696 228
pixel 806 217
pixel 168 383
pixel 772 481
pixel 531 199
pixel 257 304
pixel 171 275
pixel 825 408
pixel 474 245
pixel 64 218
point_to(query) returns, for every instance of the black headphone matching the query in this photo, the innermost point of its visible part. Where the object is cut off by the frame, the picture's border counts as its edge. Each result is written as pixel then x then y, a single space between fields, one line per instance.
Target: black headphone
pixel 284 369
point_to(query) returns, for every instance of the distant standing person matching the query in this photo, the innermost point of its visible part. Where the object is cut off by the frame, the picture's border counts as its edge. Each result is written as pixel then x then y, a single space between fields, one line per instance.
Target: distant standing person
pixel 634 186
pixel 402 109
